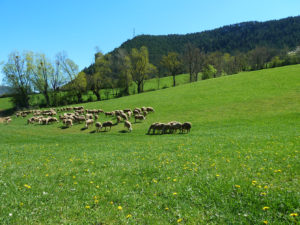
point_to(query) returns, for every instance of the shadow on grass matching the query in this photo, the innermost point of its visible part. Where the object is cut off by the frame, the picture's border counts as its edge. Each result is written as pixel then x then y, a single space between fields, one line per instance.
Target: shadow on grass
pixel 7 112
pixel 84 128
pixel 123 131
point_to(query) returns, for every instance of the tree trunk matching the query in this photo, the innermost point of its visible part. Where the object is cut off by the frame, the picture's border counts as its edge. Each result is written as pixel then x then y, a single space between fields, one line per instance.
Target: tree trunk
pixel 96 92
pixel 139 86
pixel 191 77
pixel 79 96
pixel 47 97
pixel 196 77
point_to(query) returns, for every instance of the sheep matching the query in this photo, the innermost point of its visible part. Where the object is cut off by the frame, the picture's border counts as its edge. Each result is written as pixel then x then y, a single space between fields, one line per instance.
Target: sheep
pixel 139 117
pixel 128 125
pixel 145 113
pixel 124 116
pixel 143 109
pixel 159 127
pixel 166 128
pixel 7 120
pixel 107 124
pixel 186 126
pixel 88 122
pixel 109 113
pixel 152 127
pixel 119 119
pixel 68 122
pixel 129 113
pixel 52 119
pixel 98 126
pixel 175 126
pixel 127 110
pixel 89 116
pixel 96 116
pixel 150 109
pixel 79 118
pixel 136 112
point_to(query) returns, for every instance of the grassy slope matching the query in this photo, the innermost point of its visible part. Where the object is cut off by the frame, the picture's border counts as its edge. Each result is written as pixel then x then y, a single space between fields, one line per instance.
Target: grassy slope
pixel 245 132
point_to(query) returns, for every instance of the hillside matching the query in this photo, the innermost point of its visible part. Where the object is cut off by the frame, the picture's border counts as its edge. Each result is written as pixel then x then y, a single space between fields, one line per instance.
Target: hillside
pixel 242 37
pixel 238 165
pixel 5 90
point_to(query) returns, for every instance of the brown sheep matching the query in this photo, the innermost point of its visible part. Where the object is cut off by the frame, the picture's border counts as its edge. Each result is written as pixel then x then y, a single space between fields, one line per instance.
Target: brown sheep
pixel 186 126
pixel 139 117
pixel 107 124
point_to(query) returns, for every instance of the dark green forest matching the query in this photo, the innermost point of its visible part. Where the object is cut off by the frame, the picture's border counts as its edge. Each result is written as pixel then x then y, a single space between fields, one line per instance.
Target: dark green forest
pixel 232 39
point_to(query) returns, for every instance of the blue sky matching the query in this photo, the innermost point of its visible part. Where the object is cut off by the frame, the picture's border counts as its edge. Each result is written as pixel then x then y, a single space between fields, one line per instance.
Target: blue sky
pixel 78 27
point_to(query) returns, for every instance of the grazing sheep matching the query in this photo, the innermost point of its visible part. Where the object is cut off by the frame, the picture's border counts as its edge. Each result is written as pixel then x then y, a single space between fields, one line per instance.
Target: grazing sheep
pixel 89 116
pixel 186 126
pixel 68 122
pixel 88 122
pixel 8 120
pixel 138 109
pixel 96 116
pixel 109 113
pixel 152 127
pixel 166 128
pixel 150 109
pixel 98 126
pixel 107 124
pixel 128 125
pixel 175 126
pixel 124 116
pixel 129 113
pixel 119 119
pixel 139 117
pixel 145 113
pixel 127 110
pixel 136 112
pixel 159 127
pixel 143 109
pixel 79 118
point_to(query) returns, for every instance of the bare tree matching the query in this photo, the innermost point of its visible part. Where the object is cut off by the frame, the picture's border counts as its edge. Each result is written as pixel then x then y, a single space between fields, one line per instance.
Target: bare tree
pixel 18 73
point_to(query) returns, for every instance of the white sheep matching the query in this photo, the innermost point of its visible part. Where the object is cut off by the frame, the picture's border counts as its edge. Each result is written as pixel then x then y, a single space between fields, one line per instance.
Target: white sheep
pixel 107 124
pixel 139 117
pixel 128 125
pixel 98 126
pixel 88 122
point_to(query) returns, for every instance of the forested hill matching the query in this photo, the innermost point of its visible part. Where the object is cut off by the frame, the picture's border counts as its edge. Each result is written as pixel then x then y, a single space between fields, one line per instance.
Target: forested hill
pixel 242 37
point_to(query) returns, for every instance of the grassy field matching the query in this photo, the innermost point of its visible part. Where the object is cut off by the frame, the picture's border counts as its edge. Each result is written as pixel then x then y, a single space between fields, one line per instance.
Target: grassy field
pixel 238 165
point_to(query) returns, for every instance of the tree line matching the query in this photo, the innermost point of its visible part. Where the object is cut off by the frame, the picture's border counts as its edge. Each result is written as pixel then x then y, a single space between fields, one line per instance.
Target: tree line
pixel 61 83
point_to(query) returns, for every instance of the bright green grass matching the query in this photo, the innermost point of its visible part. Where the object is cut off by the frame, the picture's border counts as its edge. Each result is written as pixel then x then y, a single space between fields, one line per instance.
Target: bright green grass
pixel 242 155
pixel 5 104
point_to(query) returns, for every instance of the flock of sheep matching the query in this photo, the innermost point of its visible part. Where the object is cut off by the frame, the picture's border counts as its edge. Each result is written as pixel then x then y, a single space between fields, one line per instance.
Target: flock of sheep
pixel 90 117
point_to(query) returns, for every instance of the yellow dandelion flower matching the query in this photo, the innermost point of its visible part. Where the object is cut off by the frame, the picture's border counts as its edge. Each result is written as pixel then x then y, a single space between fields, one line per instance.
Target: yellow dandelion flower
pixel 168 178
pixel 91 182
pixel 111 202
pixel 47 175
pixel 74 177
pixel 237 186
pixel 174 180
pixel 217 175
pixel 254 182
pixel 96 201
pixel 75 182
pixel 266 187
pixel 87 207
pixel 179 220
pixel 166 208
pixel 27 186
pixel 174 193
pixel 263 193
pixel 154 180
pixel 21 203
pixel 120 207
pixel 266 208
pixel 97 186
pixel 294 214
pixel 265 222
pixel 128 216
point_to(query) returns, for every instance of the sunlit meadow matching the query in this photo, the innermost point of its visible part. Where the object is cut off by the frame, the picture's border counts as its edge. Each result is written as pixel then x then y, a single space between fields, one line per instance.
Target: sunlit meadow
pixel 238 165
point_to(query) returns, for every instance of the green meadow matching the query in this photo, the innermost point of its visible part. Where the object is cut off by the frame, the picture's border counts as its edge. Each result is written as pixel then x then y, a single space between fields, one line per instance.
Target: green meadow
pixel 238 165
